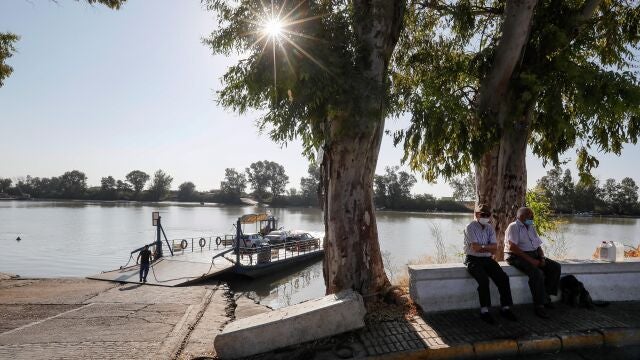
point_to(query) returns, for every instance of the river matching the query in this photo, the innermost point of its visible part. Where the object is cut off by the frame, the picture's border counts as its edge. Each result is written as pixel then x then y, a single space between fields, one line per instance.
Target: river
pixel 79 238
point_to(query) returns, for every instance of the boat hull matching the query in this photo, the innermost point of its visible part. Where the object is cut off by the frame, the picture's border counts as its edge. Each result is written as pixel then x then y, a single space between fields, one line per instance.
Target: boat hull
pixel 258 270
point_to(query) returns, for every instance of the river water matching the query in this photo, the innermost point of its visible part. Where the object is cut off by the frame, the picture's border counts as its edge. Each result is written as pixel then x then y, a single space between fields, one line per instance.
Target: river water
pixel 79 238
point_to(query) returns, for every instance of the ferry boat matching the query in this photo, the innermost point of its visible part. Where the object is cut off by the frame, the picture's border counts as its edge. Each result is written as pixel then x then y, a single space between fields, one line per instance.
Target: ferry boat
pixel 185 261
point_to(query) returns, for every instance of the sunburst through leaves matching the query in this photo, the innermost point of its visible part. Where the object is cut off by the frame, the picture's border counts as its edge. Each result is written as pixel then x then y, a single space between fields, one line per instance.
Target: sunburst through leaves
pixel 277 28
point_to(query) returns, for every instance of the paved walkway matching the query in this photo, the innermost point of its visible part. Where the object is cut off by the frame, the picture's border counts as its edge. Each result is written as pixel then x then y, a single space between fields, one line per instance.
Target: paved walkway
pixel 86 319
pixel 461 334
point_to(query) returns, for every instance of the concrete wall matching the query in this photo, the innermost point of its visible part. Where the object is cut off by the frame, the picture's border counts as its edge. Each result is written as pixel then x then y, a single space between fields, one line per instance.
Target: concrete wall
pixel 291 325
pixel 449 286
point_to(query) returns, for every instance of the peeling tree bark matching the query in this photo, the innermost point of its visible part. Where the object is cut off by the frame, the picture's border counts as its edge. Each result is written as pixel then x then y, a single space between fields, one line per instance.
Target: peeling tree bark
pixel 501 174
pixel 515 32
pixel 352 252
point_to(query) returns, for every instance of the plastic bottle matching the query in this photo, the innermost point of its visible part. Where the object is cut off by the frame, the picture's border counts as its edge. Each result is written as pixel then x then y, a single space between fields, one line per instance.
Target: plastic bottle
pixel 604 253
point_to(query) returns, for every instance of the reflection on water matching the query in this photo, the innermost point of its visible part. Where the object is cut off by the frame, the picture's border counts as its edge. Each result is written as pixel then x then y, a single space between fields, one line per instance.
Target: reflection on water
pixel 298 283
pixel 76 238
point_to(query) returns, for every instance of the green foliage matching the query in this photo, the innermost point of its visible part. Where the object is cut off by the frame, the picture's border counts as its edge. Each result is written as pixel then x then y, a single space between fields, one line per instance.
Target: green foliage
pixel 628 196
pixel 393 188
pixel 186 191
pixel 464 188
pixel 5 184
pixel 108 183
pixel 7 48
pixel 619 198
pixel 263 175
pixel 537 200
pixel 123 187
pixel 137 179
pixel 113 4
pixel 234 183
pixel 559 189
pixel 565 196
pixel 108 188
pixel 160 185
pixel 73 184
pixel 315 70
pixel 309 186
pixel 575 82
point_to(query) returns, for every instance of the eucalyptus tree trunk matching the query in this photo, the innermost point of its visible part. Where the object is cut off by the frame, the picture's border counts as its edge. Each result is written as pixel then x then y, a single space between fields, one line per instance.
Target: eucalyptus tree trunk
pixel 352 252
pixel 501 173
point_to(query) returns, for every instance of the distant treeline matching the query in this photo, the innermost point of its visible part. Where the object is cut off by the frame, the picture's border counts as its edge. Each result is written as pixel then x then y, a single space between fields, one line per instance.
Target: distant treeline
pixel 589 195
pixel 566 196
pixel 267 180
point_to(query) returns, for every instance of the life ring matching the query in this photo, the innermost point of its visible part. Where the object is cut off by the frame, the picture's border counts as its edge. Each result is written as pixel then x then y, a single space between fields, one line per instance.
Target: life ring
pixel 183 244
pixel 218 240
pixel 202 242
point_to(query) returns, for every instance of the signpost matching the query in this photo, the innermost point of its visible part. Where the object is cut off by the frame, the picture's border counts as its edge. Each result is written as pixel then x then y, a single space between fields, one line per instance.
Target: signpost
pixel 155 218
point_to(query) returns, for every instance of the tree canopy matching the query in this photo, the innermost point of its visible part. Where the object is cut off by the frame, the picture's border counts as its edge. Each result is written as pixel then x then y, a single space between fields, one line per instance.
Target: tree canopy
pixel 485 80
pixel 298 78
pixel 234 183
pixel 137 179
pixel 567 196
pixel 186 191
pixel 7 48
pixel 393 187
pixel 73 183
pixel 464 188
pixel 575 77
pixel 309 186
pixel 318 70
pixel 263 175
pixel 160 185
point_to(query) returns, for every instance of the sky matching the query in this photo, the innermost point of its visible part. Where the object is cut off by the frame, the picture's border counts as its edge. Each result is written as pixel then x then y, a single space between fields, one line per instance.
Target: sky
pixel 107 92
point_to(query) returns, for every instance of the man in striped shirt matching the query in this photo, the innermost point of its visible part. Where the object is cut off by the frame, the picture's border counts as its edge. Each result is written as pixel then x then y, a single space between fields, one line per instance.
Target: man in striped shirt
pixel 523 247
pixel 479 246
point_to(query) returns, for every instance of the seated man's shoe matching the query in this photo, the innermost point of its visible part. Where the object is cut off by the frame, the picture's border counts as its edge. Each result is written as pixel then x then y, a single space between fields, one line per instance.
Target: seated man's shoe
pixel 486 317
pixel 541 312
pixel 508 314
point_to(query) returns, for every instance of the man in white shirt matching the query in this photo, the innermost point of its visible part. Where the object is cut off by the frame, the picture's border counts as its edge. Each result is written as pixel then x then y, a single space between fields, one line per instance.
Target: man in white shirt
pixel 479 245
pixel 523 247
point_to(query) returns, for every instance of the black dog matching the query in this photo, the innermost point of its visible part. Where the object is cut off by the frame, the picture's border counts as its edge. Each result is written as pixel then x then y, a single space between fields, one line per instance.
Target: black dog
pixel 574 293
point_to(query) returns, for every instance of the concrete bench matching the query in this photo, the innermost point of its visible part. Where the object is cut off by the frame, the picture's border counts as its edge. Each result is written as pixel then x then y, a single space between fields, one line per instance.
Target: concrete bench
pixel 450 287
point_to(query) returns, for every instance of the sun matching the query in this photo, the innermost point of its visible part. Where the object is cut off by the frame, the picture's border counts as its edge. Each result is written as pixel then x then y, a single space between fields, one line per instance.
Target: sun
pixel 273 27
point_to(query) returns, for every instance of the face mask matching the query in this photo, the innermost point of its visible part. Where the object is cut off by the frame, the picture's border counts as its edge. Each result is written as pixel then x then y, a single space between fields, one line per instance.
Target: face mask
pixel 528 222
pixel 484 221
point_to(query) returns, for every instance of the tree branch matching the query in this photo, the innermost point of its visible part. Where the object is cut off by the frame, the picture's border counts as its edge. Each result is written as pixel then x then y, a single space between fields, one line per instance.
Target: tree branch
pixel 515 32
pixel 588 9
pixel 450 9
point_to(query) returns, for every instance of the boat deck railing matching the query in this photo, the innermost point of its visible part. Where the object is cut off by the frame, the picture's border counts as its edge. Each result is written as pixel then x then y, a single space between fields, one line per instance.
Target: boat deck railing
pixel 201 243
pixel 248 255
pixel 272 253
